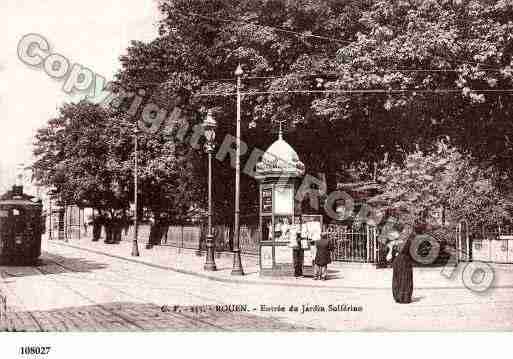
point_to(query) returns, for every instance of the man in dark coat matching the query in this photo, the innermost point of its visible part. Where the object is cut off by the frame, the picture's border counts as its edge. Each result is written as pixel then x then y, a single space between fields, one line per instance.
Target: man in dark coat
pixel 322 257
pixel 298 256
pixel 108 225
pixel 117 226
pixel 97 222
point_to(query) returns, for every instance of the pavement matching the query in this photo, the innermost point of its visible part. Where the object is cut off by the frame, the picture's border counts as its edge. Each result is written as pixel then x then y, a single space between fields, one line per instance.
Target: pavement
pixel 91 286
pixel 67 291
pixel 340 274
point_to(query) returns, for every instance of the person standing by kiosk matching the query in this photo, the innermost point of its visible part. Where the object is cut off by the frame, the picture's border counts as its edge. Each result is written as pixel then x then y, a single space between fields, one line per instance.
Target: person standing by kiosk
pixel 297 251
pixel 289 233
pixel 322 257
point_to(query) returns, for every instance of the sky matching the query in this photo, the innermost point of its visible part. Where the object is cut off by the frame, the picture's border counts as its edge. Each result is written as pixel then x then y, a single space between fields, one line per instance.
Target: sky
pixel 93 33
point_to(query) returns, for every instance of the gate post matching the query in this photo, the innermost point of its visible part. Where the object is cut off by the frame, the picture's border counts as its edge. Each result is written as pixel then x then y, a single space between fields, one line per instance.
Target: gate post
pixel 368 242
pixel 376 248
pixel 463 241
pixel 458 242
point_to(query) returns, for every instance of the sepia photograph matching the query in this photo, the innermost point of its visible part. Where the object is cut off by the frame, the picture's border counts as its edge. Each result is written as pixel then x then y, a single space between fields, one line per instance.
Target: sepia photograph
pixel 254 166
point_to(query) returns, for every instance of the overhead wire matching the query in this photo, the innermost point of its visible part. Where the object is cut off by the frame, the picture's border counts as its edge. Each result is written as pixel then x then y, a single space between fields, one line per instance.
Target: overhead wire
pixel 359 91
pixel 297 33
pixel 320 75
pixel 212 18
pixel 300 34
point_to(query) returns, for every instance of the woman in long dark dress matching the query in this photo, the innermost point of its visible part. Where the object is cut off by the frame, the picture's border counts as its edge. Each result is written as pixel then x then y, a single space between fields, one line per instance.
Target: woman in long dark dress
pixel 402 278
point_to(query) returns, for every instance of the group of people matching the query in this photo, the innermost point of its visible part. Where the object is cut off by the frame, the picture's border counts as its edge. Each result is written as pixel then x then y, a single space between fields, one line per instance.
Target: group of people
pixel 119 222
pixel 317 242
pixel 321 247
pixel 113 223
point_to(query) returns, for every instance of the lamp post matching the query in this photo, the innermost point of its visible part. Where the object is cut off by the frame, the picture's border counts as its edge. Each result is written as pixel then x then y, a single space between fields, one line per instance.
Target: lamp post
pixel 237 263
pixel 51 193
pixel 209 126
pixel 135 246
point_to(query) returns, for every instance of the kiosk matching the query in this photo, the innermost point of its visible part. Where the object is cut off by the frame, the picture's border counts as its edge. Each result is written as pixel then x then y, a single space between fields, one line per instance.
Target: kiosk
pixel 279 174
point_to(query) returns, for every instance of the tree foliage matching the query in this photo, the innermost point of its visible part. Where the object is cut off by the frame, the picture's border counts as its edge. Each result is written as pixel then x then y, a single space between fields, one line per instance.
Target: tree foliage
pixel 406 50
pixel 87 154
pixel 444 68
pixel 351 80
pixel 442 183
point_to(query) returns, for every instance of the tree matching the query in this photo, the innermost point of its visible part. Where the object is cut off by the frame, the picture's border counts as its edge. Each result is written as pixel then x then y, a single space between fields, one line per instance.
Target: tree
pixel 74 157
pixel 413 51
pixel 381 63
pixel 201 44
pixel 87 153
pixel 442 180
pixel 382 60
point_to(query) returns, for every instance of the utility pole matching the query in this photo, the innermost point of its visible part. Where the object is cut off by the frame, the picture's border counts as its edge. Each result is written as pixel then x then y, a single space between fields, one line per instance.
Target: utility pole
pixel 237 263
pixel 135 246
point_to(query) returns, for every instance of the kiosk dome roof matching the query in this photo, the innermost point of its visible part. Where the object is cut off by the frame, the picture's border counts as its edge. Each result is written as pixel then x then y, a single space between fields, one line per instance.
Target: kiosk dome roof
pixel 280 158
pixel 282 150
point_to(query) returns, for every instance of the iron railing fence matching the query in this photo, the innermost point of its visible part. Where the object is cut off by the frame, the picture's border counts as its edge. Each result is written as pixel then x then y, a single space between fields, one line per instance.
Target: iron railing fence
pixel 352 244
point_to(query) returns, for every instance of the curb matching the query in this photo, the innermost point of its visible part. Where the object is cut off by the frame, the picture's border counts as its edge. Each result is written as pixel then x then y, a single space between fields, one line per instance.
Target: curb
pixel 249 281
pixel 202 275
pixel 211 277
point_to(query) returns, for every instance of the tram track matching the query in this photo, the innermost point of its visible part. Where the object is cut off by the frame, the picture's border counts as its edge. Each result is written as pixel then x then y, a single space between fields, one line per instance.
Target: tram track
pixel 92 282
pixel 121 276
pixel 144 281
pixel 184 318
pixel 10 309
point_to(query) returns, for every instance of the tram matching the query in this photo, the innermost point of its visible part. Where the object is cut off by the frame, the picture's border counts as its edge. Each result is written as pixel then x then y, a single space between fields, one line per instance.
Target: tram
pixel 21 228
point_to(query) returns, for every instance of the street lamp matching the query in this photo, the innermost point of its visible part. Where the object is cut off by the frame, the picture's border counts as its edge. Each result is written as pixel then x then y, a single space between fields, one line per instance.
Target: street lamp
pixel 135 246
pixel 237 263
pixel 209 126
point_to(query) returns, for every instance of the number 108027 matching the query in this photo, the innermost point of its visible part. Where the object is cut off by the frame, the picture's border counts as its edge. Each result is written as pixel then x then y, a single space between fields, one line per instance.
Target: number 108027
pixel 34 350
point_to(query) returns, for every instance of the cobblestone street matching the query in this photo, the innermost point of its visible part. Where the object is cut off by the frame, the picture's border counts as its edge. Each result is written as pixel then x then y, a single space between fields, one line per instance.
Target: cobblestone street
pixel 77 290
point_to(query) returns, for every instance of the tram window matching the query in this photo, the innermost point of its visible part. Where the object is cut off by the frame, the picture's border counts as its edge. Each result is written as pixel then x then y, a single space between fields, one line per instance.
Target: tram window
pixel 4 213
pixel 16 212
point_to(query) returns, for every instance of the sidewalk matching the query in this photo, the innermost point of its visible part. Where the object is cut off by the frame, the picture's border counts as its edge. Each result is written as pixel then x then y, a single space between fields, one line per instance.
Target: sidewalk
pixel 341 275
